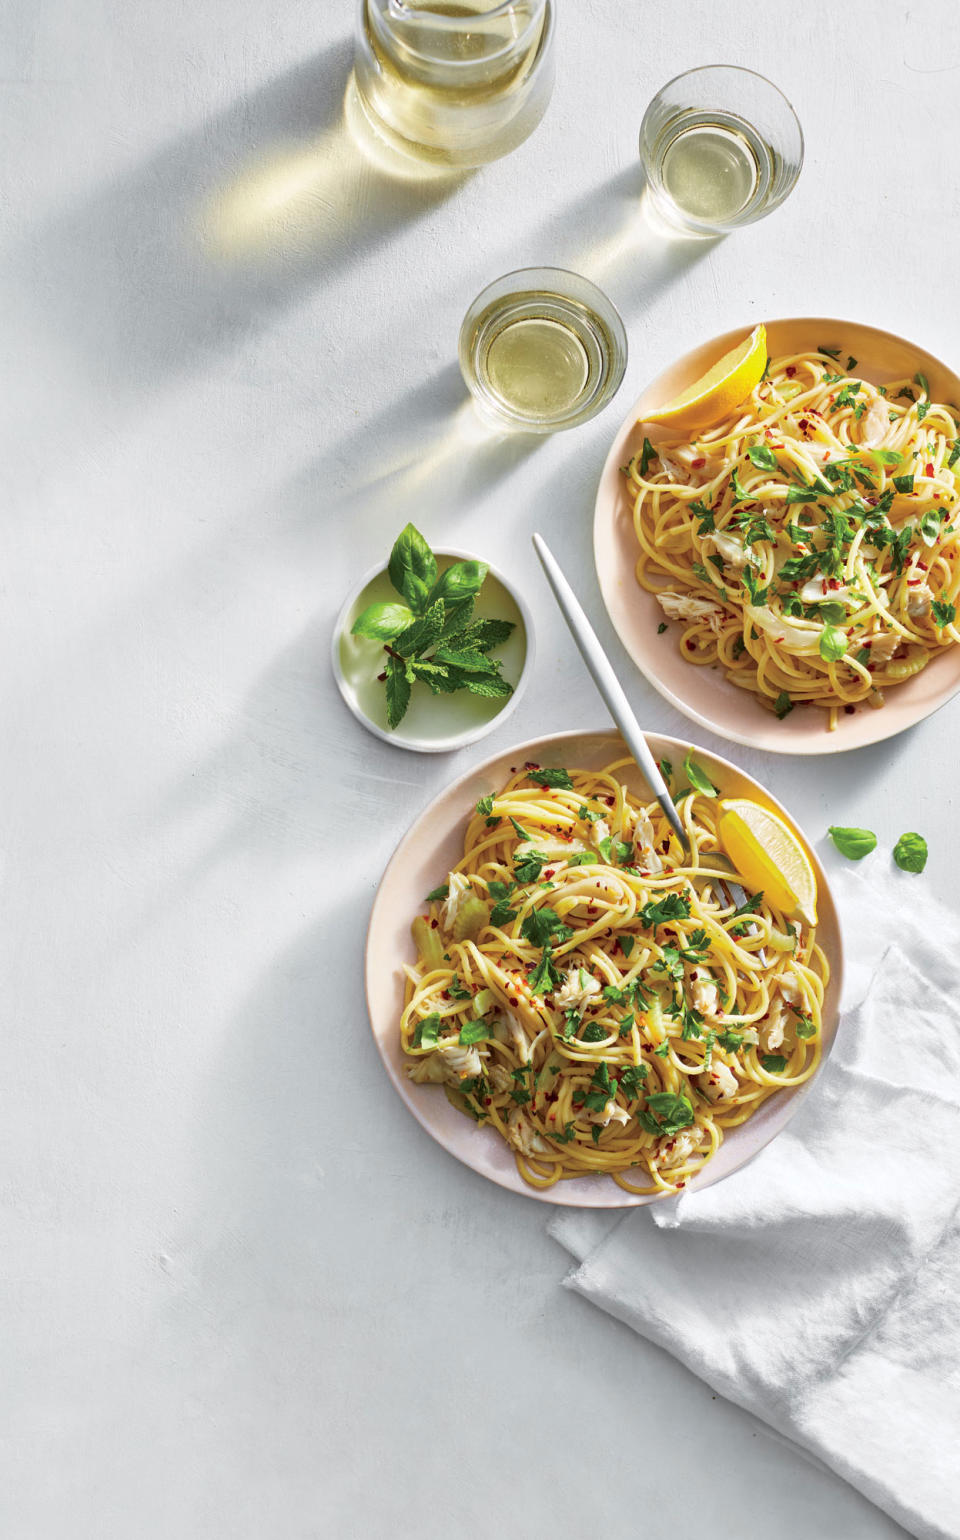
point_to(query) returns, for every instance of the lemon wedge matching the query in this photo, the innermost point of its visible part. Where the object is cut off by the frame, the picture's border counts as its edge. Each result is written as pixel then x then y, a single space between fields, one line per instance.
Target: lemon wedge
pixel 768 855
pixel 720 390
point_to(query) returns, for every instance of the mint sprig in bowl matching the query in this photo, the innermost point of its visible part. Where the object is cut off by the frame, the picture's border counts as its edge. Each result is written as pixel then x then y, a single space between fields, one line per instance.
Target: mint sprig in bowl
pixel 433 650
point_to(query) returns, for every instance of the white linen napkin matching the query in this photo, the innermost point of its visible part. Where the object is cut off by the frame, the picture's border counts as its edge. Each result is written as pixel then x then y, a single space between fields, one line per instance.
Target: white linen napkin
pixel 819 1287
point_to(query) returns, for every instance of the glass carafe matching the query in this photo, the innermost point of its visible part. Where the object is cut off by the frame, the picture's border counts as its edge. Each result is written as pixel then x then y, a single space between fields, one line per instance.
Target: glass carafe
pixel 454 82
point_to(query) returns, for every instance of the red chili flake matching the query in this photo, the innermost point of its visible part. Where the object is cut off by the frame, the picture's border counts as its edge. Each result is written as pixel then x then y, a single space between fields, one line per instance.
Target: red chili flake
pixel 668 870
pixel 513 1000
pixel 434 924
pixel 868 642
pixel 665 845
pixel 548 875
pixel 446 994
pixel 928 471
pixel 487 1100
pixel 913 582
pixel 680 1184
pixel 922 565
pixel 381 677
pixel 833 582
pixel 803 425
pixel 849 710
pixel 791 371
pixel 531 764
pixel 871 667
pixel 697 465
pixel 689 645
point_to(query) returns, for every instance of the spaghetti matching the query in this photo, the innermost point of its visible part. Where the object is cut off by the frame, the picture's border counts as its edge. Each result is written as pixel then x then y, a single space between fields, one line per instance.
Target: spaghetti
pixel 591 994
pixel 810 543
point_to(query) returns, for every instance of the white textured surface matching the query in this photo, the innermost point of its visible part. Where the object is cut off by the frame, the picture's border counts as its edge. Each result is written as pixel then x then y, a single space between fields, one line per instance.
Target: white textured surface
pixel 244 1294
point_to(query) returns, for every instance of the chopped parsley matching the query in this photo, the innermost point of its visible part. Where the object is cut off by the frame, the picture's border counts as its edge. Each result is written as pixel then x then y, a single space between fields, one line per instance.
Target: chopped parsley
pixel 544 925
pixel 556 778
pixel 666 1113
pixel 675 906
pixel 631 1081
pixel 426 1033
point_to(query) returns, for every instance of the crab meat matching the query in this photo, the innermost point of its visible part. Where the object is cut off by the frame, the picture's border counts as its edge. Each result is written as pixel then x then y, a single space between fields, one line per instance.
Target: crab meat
pixel 918 602
pixel 600 831
pixel 459 887
pixel 508 1029
pixel 686 607
pixel 790 989
pixel 883 646
pixel 643 839
pixel 875 423
pixel 461 1063
pixel 773 1027
pixel 522 1134
pixel 577 990
pixel 676 1150
pixel 705 994
pixel 729 548
pixel 719 1082
pixel 611 1113
pixel 500 1078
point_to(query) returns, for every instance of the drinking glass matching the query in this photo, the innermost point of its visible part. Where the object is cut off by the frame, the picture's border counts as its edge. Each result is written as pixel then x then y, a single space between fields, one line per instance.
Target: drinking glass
pixel 457 84
pixel 542 349
pixel 721 147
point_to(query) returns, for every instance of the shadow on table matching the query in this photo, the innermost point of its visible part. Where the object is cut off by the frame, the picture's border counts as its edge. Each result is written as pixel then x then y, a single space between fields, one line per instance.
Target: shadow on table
pixel 201 245
pixel 629 251
pixel 427 452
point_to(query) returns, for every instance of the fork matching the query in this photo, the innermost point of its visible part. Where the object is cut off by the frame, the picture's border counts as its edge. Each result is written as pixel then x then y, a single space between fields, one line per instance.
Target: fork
pixel 612 691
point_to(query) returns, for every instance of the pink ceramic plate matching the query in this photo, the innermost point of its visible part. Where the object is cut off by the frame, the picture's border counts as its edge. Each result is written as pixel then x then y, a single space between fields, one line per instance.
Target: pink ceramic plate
pixel 704 694
pixel 422 860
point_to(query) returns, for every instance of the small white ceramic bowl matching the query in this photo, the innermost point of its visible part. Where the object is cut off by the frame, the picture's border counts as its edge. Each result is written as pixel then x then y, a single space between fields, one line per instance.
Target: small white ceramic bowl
pixel 433 724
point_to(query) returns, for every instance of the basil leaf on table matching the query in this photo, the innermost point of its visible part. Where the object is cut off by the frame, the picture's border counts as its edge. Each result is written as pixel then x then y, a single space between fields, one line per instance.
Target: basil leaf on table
pixel 853 843
pixel 910 852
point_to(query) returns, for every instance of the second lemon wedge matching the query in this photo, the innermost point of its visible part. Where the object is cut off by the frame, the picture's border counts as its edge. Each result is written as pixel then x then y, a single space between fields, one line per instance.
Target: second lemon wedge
pixel 768 855
pixel 720 390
